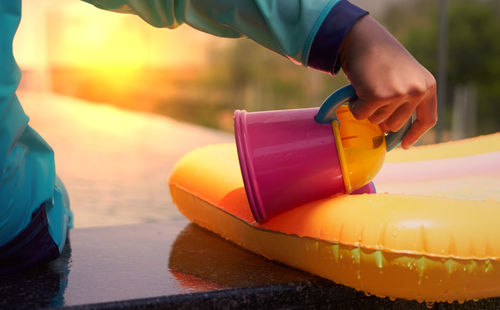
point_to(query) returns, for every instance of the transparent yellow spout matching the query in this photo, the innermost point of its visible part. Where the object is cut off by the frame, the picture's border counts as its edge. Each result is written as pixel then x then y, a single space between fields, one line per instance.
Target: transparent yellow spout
pixel 361 149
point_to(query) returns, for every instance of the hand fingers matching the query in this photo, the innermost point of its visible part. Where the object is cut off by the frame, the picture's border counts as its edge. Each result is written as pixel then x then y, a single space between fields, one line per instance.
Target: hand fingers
pixel 362 110
pixel 397 120
pixel 383 113
pixel 384 127
pixel 358 109
pixel 426 119
pixel 377 111
pixel 392 114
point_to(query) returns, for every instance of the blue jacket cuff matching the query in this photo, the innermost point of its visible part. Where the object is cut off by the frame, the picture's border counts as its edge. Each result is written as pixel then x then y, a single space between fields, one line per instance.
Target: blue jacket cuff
pixel 324 52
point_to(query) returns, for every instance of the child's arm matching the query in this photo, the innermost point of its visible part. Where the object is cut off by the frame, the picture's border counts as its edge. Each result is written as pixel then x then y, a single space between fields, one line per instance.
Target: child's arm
pixel 322 34
pixel 390 83
pixel 292 28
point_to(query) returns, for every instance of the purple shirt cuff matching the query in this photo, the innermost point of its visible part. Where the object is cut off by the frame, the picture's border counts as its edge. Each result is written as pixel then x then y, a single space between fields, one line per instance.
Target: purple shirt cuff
pixel 325 48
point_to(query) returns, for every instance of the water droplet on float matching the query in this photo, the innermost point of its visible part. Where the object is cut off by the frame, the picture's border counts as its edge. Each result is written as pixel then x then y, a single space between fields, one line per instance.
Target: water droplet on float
pixel 475 299
pixel 487 266
pixel 392 298
pixel 358 274
pixel 429 304
pixel 394 233
pixel 367 294
pixel 461 301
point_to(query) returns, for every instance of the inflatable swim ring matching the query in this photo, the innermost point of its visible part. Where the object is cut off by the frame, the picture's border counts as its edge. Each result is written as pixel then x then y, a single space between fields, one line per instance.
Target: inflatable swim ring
pixel 438 247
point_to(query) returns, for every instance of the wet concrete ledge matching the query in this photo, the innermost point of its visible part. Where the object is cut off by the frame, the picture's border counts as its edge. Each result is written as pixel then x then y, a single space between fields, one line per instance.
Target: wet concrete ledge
pixel 178 265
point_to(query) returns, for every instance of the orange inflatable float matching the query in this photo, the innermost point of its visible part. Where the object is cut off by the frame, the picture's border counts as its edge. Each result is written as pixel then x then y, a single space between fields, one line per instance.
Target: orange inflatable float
pixel 414 242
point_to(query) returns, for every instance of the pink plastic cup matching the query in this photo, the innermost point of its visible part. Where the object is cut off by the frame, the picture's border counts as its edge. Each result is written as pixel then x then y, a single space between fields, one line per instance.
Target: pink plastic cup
pixel 287 159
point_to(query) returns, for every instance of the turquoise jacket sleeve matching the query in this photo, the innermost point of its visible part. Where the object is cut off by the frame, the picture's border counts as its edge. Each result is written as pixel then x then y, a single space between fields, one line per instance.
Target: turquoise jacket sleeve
pixel 28 180
pixel 33 200
pixel 288 27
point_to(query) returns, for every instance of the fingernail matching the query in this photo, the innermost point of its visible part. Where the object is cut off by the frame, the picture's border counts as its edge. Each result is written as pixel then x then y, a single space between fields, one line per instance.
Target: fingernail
pixel 406 145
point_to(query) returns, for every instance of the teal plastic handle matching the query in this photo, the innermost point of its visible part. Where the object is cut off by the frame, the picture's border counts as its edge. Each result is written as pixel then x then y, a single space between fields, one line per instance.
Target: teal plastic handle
pixel 328 113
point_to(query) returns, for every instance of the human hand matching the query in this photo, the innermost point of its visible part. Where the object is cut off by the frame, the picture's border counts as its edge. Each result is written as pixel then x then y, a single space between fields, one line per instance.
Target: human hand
pixel 391 85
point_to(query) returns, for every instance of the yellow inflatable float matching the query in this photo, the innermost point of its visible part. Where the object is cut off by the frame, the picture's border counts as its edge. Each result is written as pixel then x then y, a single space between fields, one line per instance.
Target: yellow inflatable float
pixel 431 233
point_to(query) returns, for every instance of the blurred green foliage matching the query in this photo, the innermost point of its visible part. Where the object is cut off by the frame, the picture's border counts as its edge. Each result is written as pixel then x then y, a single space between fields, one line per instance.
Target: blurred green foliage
pixel 247 76
pixel 473 55
pixel 243 75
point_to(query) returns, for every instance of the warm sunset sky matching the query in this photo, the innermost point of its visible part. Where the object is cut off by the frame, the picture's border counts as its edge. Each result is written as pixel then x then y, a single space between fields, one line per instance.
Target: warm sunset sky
pixel 71 32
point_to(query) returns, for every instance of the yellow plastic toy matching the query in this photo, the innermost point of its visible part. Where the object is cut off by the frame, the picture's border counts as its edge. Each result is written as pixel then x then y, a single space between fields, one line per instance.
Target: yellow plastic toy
pixel 439 247
pixel 295 156
pixel 361 148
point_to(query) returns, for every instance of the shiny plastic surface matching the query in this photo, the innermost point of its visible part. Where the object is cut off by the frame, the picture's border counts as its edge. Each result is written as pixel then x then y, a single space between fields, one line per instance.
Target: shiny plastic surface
pixel 364 148
pixel 432 248
pixel 287 159
pixel 291 157
pixel 327 113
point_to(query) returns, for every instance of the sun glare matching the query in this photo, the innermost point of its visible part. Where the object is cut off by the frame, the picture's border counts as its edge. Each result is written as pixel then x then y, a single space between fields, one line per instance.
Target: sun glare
pixel 75 49
pixel 111 43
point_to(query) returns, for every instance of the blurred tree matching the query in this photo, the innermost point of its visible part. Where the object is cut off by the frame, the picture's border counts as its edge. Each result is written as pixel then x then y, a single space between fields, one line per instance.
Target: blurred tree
pixel 473 48
pixel 243 75
pixel 256 79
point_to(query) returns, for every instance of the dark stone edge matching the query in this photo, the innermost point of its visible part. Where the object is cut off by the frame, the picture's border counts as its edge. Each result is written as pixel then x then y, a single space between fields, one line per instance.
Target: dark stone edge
pixel 301 295
pixel 321 294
